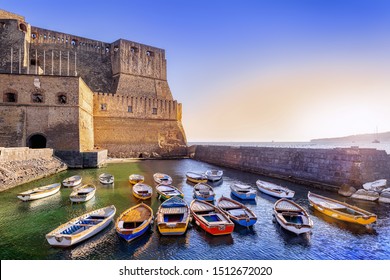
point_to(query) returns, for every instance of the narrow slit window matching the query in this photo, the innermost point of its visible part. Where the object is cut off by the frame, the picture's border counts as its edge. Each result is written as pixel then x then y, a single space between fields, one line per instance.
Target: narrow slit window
pixel 130 109
pixel 103 107
pixel 154 111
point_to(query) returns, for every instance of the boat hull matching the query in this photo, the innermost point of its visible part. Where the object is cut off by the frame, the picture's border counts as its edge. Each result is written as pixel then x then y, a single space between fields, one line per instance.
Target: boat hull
pixel 58 239
pixel 274 194
pixel 135 234
pixel 65 241
pixel 295 229
pixel 324 205
pixel 214 230
pixel 71 183
pixel 333 214
pixel 172 229
pixel 210 198
pixel 244 196
pixel 40 195
pixel 142 197
pixel 196 181
pixel 79 199
pixel 244 222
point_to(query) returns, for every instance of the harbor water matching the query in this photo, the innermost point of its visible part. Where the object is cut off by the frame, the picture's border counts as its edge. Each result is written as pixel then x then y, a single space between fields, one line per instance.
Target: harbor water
pixel 23 225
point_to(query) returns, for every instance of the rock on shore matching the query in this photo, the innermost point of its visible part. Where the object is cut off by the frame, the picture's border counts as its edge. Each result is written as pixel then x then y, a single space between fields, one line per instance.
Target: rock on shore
pixel 385 196
pixel 13 173
pixel 346 190
pixel 366 195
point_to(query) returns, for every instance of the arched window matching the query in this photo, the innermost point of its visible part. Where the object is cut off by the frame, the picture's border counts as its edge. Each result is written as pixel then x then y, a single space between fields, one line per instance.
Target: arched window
pixel 34 35
pixel 73 42
pixel 10 97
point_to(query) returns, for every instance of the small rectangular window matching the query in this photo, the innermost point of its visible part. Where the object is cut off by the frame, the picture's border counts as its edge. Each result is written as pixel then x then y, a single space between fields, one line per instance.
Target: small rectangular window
pixel 130 109
pixel 154 111
pixel 103 107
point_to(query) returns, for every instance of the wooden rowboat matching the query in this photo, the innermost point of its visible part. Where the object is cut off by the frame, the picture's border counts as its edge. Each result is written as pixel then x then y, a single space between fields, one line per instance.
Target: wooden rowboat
pixel 214 175
pixel 341 210
pixel 40 192
pixel 237 212
pixel 134 222
pixel 136 178
pixel 204 192
pixel 83 193
pixel 106 178
pixel 72 181
pixel 166 192
pixel 162 179
pixel 243 191
pixel 210 218
pixel 196 177
pixel 274 190
pixel 81 228
pixel 142 191
pixel 292 216
pixel 173 216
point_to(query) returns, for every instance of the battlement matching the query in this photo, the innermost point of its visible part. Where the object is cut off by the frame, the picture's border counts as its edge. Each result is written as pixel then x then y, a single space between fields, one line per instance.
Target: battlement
pixel 49 39
pixel 127 106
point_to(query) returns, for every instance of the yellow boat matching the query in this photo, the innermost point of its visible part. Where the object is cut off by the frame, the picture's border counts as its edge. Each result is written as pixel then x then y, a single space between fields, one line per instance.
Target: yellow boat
pixel 341 210
pixel 173 216
pixel 136 178
pixel 196 177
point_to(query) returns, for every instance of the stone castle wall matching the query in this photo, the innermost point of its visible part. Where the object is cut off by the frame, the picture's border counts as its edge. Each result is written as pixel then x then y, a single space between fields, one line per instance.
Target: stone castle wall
pixel 319 167
pixel 59 123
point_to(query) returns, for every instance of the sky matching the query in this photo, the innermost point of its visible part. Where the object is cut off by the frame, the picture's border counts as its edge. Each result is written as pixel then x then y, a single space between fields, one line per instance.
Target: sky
pixel 266 70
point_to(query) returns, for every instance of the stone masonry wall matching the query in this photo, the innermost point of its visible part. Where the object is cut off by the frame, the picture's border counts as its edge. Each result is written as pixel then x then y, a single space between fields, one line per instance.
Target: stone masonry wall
pixel 126 137
pixel 320 167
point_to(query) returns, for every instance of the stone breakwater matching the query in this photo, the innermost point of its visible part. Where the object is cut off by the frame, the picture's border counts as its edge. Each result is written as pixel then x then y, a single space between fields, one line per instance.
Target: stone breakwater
pixel 323 168
pixel 22 165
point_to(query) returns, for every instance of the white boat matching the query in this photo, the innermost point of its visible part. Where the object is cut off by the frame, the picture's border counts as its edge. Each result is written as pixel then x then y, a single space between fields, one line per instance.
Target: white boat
pixel 243 191
pixel 106 178
pixel 83 193
pixel 196 177
pixel 165 192
pixel 274 190
pixel 72 181
pixel 81 228
pixel 214 175
pixel 142 191
pixel 40 192
pixel 162 179
pixel 292 216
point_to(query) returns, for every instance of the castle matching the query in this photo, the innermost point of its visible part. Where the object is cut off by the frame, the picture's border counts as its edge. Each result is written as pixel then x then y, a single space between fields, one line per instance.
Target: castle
pixel 77 95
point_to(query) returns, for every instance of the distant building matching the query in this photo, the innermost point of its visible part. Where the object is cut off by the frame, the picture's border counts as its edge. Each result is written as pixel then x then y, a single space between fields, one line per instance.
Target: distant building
pixel 74 94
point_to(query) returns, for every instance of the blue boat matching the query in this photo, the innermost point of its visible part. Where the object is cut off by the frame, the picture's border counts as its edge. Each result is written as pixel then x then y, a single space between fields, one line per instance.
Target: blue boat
pixel 237 212
pixel 243 191
pixel 134 222
pixel 204 192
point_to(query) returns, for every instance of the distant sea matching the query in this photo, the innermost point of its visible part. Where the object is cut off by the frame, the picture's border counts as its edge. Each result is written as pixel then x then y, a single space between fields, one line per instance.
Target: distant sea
pixel 308 145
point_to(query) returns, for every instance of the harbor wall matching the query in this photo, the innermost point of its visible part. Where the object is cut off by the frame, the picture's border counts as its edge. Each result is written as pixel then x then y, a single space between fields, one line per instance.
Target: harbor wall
pixel 22 165
pixel 324 168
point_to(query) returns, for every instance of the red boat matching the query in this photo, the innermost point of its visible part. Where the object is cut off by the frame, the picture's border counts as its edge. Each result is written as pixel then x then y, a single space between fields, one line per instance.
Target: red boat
pixel 210 218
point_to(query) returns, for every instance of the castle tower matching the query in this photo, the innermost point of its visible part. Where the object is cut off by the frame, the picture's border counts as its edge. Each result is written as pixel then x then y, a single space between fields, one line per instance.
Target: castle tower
pixel 120 92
